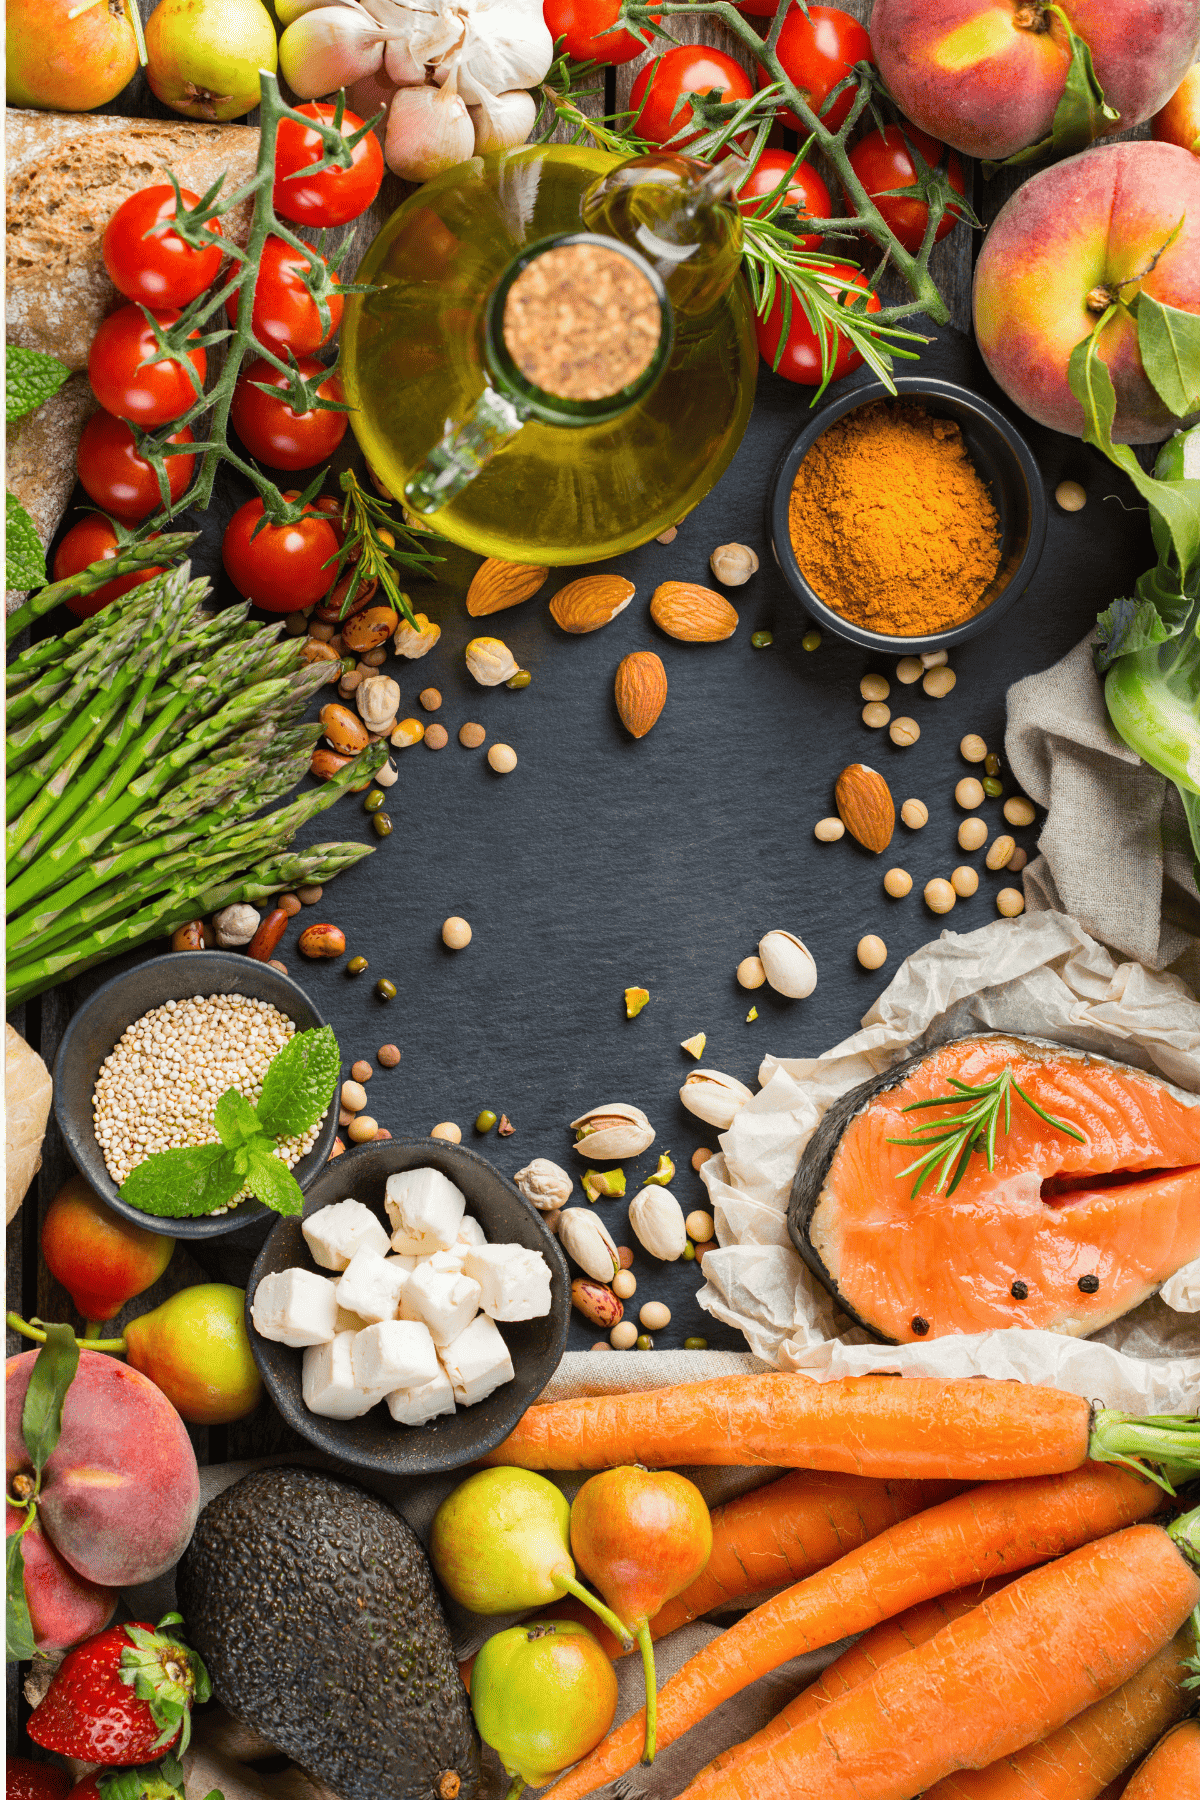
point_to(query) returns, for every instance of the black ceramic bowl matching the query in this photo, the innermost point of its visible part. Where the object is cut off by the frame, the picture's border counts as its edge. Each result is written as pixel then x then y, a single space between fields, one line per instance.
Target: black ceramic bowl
pixel 99 1024
pixel 536 1345
pixel 1006 464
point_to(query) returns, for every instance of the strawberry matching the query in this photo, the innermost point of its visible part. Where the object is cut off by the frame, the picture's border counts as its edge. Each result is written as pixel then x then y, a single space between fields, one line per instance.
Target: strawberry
pixel 122 1696
pixel 25 1780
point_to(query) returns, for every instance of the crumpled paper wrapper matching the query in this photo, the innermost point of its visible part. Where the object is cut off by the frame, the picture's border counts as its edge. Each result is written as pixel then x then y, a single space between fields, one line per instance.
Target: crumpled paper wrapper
pixel 1040 976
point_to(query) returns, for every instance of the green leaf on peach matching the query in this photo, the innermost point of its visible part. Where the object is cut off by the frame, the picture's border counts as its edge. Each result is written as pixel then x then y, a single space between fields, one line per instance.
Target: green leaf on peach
pixel 53 1372
pixel 1081 115
pixel 18 1626
pixel 1169 343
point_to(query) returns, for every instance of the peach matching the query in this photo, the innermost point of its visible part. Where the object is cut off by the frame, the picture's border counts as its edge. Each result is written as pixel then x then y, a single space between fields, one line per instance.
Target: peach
pixel 63 1607
pixel 65 56
pixel 1070 240
pixel 986 75
pixel 121 1493
pixel 1179 120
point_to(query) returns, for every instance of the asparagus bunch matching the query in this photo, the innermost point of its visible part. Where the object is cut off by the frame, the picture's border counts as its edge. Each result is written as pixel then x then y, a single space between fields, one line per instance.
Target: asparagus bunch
pixel 142 747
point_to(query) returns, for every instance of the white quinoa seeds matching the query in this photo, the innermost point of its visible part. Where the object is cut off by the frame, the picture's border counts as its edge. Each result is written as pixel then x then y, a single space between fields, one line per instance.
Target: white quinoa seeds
pixel 159 1086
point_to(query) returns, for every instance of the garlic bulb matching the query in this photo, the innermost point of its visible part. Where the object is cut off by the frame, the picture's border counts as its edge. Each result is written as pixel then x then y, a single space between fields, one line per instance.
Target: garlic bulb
pixel 328 48
pixel 503 120
pixel 714 1097
pixel 429 130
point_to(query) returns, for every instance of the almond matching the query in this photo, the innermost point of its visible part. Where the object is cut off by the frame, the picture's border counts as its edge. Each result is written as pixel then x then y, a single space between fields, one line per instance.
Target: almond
pixel 591 602
pixel 498 584
pixel 697 615
pixel 865 806
pixel 641 691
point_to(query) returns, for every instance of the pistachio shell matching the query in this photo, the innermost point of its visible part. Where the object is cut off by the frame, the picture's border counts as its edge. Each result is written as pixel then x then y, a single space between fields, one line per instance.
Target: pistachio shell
pixel 587 1241
pixel 788 963
pixel 714 1097
pixel 612 1133
pixel 657 1218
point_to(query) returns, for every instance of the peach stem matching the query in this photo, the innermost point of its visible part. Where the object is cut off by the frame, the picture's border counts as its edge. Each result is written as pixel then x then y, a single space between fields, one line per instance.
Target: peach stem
pixel 116 1346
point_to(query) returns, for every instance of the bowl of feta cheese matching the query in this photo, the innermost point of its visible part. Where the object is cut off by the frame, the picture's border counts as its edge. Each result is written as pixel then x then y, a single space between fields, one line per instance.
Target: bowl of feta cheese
pixel 406 1319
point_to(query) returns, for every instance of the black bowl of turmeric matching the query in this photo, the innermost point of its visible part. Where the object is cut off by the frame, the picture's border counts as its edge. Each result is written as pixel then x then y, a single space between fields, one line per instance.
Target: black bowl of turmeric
pixel 908 521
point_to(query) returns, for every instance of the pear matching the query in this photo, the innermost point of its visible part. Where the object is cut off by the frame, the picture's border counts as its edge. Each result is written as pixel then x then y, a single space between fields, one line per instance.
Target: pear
pixel 205 55
pixel 196 1349
pixel 543 1695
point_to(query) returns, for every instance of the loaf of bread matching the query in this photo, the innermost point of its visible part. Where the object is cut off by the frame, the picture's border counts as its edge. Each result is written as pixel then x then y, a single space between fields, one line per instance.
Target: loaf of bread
pixel 40 460
pixel 66 175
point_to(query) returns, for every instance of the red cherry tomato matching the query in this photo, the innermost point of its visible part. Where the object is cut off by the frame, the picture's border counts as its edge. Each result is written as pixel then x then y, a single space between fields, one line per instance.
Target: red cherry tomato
pixel 333 196
pixel 585 25
pixel 117 478
pixel 801 358
pixel 94 540
pixel 284 566
pixel 817 53
pixel 285 315
pixel 805 191
pixel 269 428
pixel 760 9
pixel 687 69
pixel 150 396
pixel 159 269
pixel 883 160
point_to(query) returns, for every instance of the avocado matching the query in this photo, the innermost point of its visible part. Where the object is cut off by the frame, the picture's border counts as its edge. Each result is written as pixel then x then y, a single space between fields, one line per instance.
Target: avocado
pixel 314 1609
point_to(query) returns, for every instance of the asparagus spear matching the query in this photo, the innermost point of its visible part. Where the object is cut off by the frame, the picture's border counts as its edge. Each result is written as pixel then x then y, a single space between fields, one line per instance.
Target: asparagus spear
pixel 25 744
pixel 74 645
pixel 127 561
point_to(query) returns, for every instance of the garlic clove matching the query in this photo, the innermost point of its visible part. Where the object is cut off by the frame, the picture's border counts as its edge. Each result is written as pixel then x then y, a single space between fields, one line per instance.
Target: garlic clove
pixel 714 1097
pixel 611 1133
pixel 331 47
pixel 429 130
pixel 400 65
pixel 370 95
pixel 505 45
pixel 788 963
pixel 503 120
pixel 287 11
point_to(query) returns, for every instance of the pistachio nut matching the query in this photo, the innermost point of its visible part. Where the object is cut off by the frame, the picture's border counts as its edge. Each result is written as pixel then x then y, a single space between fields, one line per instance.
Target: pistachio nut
pixel 664 1173
pixel 635 999
pixel 604 1184
pixel 611 1133
pixel 695 1045
pixel 597 1303
pixel 377 697
pixel 588 1242
pixel 544 1184
pixel 714 1097
pixel 657 1220
pixel 490 661
pixel 416 642
pixel 789 966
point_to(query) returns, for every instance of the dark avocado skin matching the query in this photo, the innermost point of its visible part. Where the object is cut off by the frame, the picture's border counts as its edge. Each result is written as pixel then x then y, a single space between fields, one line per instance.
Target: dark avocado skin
pixel 313 1607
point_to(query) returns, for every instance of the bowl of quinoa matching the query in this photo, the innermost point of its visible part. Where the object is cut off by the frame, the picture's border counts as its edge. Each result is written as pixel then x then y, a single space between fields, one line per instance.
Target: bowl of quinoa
pixel 145 1060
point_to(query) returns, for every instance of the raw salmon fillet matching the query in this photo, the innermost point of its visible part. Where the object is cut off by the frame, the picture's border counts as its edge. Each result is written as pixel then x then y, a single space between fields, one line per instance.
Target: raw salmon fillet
pixel 1121 1209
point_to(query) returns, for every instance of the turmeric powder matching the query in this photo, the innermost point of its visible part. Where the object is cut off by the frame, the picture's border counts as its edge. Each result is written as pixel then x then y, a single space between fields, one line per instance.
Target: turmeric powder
pixel 892 524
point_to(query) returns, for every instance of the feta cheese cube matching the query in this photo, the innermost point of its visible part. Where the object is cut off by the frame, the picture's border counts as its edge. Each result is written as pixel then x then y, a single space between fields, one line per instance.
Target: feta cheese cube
pixel 327 1380
pixel 445 1301
pixel 348 1321
pixel 336 1232
pixel 371 1286
pixel 426 1210
pixel 471 1231
pixel 392 1355
pixel 477 1362
pixel 295 1307
pixel 416 1406
pixel 446 1262
pixel 407 1263
pixel 514 1282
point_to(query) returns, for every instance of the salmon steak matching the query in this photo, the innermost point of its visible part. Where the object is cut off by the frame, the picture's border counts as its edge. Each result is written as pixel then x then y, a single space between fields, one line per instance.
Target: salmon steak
pixel 1083 1215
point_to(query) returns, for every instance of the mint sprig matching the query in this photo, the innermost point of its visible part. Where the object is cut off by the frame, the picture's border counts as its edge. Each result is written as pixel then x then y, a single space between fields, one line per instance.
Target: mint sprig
pixel 297 1089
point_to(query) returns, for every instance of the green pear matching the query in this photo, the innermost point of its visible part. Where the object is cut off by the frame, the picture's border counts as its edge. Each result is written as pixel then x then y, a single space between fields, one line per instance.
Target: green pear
pixel 195 1347
pixel 543 1695
pixel 205 55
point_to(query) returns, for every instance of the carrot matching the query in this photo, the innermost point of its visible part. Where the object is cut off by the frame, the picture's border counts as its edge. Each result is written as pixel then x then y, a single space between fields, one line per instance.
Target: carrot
pixel 1172 1769
pixel 1011 1672
pixel 1080 1759
pixel 999 1527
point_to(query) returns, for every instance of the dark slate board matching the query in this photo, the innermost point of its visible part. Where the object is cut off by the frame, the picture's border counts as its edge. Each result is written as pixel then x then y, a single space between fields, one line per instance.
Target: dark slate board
pixel 602 863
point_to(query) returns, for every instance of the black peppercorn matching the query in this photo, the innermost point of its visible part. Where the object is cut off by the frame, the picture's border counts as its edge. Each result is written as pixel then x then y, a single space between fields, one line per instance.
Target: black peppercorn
pixel 920 1326
pixel 1019 1290
pixel 1089 1284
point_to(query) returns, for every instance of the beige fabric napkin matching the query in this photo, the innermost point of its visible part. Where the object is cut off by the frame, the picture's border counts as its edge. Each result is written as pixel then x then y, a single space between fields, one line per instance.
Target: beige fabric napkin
pixel 1115 848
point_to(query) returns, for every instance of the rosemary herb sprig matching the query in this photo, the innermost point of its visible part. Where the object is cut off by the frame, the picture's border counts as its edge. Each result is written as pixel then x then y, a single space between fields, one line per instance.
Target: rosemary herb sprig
pixel 370 529
pixel 969 1133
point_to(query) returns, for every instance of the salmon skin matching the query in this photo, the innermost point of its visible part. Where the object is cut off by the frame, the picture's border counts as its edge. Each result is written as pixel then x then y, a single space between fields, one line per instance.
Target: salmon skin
pixel 1060 1236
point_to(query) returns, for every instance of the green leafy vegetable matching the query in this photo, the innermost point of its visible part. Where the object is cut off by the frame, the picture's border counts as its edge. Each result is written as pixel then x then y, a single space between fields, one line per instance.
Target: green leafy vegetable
pixel 1157 612
pixel 300 1083
pixel 1153 700
pixel 25 560
pixel 30 378
pixel 1081 114
pixel 183 1184
pixel 272 1181
pixel 1169 343
pixel 18 1626
pixel 53 1373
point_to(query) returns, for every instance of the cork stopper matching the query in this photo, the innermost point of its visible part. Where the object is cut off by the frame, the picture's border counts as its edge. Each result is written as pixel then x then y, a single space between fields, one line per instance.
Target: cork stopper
pixel 582 322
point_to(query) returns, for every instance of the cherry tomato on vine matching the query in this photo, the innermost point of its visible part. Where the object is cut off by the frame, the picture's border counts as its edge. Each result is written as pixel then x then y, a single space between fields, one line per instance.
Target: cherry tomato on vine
pixel 805 191
pixel 587 27
pixel 817 53
pixel 283 567
pixel 330 196
pixel 285 315
pixel 150 395
pixel 883 160
pixel 160 269
pixel 801 358
pixel 269 428
pixel 687 69
pixel 117 478
pixel 94 540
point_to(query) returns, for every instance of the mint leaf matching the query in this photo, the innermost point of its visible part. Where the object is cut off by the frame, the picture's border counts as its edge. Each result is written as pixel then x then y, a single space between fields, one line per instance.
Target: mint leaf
pixel 272 1182
pixel 1169 342
pixel 182 1184
pixel 1082 112
pixel 18 1626
pixel 24 558
pixel 300 1083
pixel 30 377
pixel 235 1119
pixel 53 1373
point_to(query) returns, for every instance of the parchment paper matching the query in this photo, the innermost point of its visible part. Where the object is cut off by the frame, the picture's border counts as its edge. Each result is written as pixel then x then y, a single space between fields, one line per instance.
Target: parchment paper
pixel 1041 976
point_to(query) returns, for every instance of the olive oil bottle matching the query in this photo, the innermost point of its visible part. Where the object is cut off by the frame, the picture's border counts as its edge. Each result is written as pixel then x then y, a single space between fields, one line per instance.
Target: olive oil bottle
pixel 450 423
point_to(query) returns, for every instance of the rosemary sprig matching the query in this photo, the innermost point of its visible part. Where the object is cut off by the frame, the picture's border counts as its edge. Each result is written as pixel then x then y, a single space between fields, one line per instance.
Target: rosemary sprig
pixel 370 529
pixel 970 1133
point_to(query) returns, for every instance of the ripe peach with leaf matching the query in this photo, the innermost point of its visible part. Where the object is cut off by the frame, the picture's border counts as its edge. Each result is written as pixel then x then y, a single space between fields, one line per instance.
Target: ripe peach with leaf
pixel 1179 120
